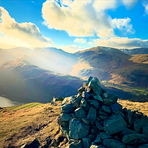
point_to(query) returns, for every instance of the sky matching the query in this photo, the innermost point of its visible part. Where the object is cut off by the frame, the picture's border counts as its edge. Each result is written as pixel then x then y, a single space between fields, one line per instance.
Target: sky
pixel 74 25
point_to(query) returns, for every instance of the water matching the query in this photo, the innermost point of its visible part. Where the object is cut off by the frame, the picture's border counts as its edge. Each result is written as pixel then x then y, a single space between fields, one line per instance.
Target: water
pixel 4 102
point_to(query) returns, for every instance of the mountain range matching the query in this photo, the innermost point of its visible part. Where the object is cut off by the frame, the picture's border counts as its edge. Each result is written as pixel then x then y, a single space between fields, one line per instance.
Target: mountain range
pixel 29 75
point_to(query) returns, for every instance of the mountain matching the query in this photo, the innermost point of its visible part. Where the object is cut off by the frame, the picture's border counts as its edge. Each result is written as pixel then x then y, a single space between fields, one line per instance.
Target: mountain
pixel 23 82
pixel 135 51
pixel 113 66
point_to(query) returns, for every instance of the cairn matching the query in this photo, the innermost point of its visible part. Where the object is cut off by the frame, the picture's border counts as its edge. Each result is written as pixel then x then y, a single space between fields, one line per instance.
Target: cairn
pixel 94 119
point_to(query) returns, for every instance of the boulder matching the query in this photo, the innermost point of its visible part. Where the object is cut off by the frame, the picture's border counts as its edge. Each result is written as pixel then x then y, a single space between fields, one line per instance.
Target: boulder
pixel 135 138
pixel 114 124
pixel 80 113
pixel 112 143
pixel 78 129
pixel 86 142
pixel 92 114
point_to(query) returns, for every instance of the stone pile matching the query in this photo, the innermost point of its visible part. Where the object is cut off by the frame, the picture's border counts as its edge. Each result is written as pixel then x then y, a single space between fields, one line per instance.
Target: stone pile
pixel 94 119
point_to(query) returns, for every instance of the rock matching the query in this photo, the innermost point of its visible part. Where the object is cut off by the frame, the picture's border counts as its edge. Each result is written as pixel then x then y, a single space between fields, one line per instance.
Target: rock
pixel 68 108
pixel 112 143
pixel 145 131
pixel 103 113
pixel 143 146
pixel 76 102
pixel 105 95
pixel 94 130
pixel 81 90
pixel 94 146
pixel 95 85
pixel 86 142
pixel 98 140
pixel 106 109
pixel 80 113
pixel 98 125
pixel 114 124
pixel 92 114
pixel 112 99
pixel 83 102
pixel 115 107
pixel 34 144
pixel 78 129
pixel 104 135
pixel 98 97
pixel 85 120
pixel 134 138
pixel 75 144
pixel 94 103
pixel 126 131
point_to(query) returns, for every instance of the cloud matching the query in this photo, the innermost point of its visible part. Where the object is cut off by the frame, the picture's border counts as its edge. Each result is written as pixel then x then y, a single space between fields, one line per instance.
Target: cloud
pixel 84 18
pixel 129 3
pixel 123 25
pixel 26 32
pixel 121 43
pixel 72 48
pixel 145 4
pixel 80 41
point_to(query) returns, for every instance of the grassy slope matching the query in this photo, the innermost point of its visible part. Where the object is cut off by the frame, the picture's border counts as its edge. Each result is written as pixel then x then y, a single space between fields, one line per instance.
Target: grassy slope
pixel 20 124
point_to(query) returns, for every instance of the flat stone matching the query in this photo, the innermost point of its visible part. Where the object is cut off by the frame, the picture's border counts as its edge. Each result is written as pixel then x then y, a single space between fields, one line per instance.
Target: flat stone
pixel 135 138
pixel 92 114
pixel 103 113
pixel 106 109
pixel 98 97
pixel 115 107
pixel 68 108
pixel 80 113
pixel 103 117
pixel 95 85
pixel 104 135
pixel 114 124
pixel 112 143
pixel 86 142
pixel 78 129
pixel 94 103
pixel 98 125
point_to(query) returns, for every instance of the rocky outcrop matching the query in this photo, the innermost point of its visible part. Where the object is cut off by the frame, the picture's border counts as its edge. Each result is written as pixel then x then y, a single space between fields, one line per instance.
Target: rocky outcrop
pixel 94 119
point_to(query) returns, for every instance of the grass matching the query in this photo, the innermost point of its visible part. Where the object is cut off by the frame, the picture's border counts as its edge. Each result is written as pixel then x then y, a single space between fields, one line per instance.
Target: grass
pixel 25 106
pixel 20 124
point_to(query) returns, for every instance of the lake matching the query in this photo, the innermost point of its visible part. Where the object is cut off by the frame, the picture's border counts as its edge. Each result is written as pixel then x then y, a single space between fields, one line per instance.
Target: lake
pixel 4 102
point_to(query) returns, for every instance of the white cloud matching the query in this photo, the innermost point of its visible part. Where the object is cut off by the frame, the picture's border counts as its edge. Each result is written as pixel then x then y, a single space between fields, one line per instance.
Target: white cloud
pixel 84 18
pixel 80 41
pixel 123 25
pixel 121 43
pixel 72 48
pixel 129 3
pixel 28 33
pixel 146 7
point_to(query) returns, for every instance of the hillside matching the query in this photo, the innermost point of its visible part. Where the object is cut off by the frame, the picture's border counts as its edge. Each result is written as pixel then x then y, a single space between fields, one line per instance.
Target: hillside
pixel 135 51
pixel 22 82
pixel 112 65
pixel 22 124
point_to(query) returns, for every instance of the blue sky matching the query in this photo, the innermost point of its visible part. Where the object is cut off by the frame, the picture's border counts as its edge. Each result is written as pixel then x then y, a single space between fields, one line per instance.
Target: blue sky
pixel 74 24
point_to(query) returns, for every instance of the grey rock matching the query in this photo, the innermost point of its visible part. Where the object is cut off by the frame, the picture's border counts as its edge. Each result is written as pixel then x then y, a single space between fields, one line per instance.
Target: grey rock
pixel 64 119
pixel 112 143
pixel 78 129
pixel 143 146
pixel 86 142
pixel 114 124
pixel 115 107
pixel 128 116
pixel 98 125
pixel 76 102
pixel 134 138
pixel 103 113
pixel 106 109
pixel 83 102
pixel 95 85
pixel 98 97
pixel 105 95
pixel 127 131
pixel 94 130
pixel 92 114
pixel 145 130
pixel 112 99
pixel 85 120
pixel 68 108
pixel 80 113
pixel 94 103
pixel 104 135
pixel 103 117
pixel 98 139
